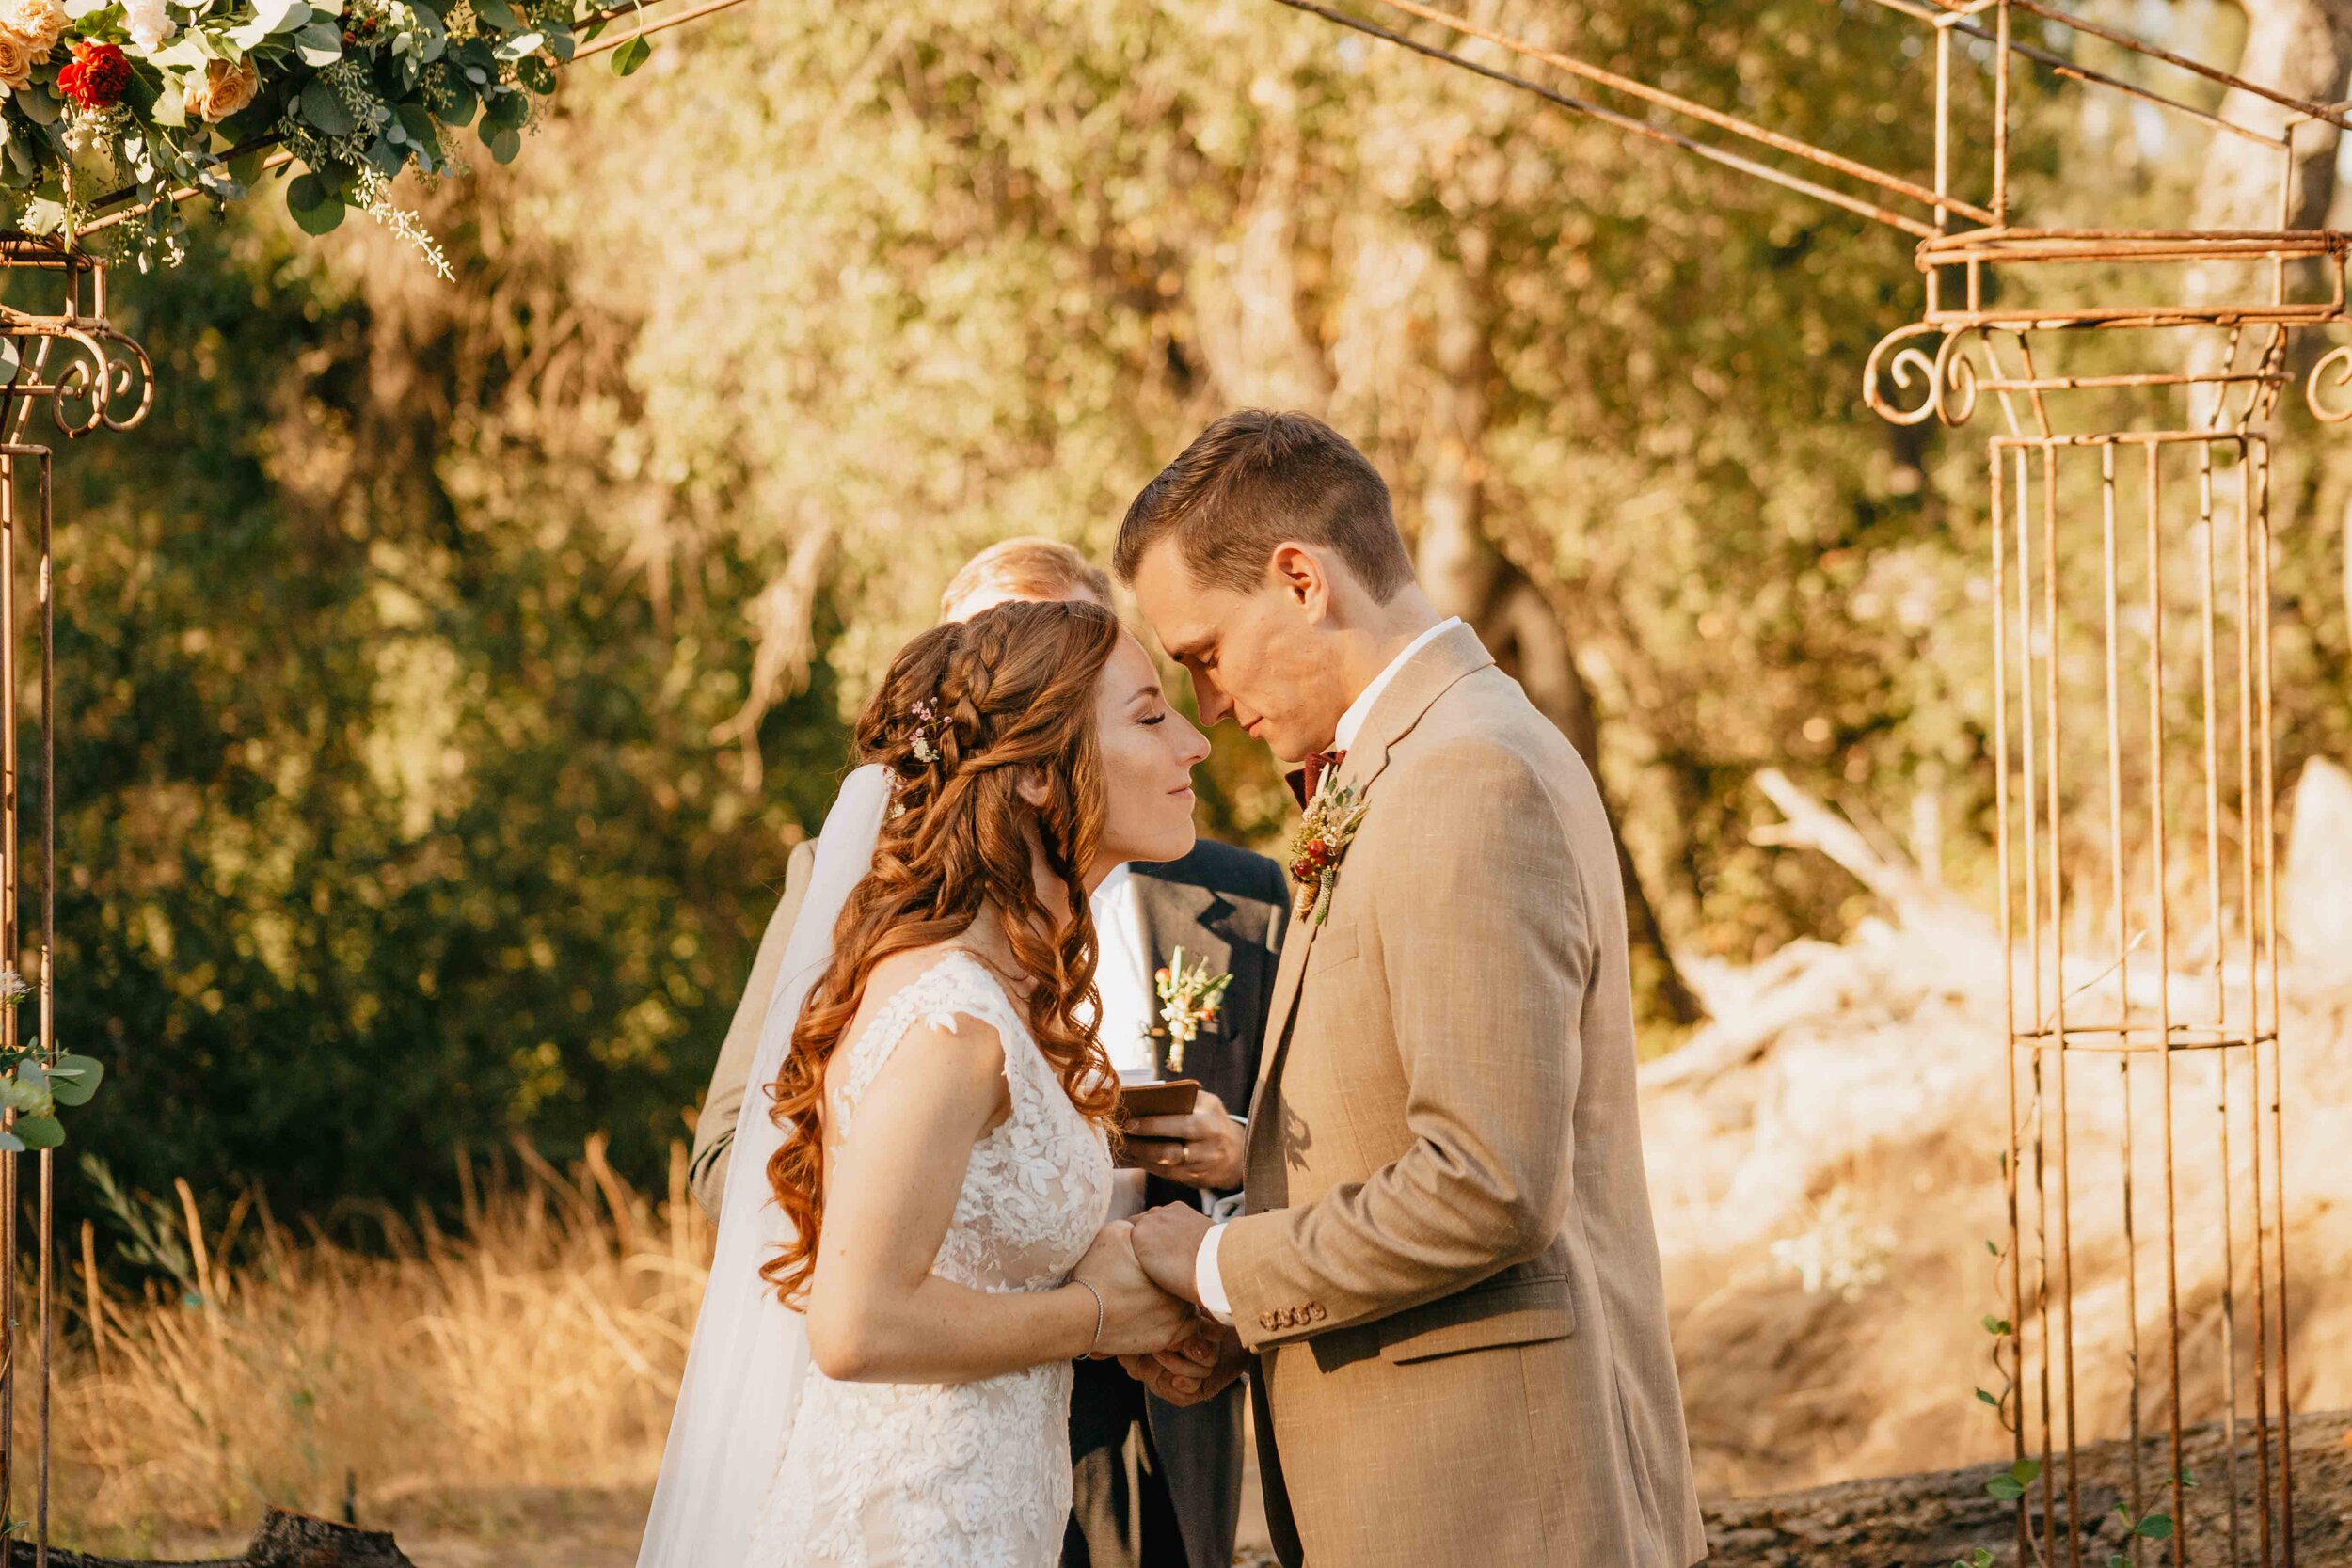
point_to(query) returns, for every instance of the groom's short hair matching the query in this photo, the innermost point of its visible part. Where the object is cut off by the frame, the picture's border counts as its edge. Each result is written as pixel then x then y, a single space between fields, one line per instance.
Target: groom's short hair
pixel 1251 480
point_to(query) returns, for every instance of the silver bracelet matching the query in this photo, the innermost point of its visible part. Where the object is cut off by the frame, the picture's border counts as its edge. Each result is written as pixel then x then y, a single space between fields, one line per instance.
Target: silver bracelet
pixel 1098 1313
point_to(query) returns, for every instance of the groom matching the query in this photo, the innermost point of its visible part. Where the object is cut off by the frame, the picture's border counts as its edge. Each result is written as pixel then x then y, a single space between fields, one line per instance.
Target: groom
pixel 1447 1270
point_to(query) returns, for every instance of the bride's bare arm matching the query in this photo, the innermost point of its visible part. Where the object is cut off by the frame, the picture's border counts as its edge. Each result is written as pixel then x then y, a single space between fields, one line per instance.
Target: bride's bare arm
pixel 876 1312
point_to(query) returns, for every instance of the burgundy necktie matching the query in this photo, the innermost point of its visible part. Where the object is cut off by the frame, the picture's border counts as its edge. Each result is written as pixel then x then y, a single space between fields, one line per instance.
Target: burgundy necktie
pixel 1305 778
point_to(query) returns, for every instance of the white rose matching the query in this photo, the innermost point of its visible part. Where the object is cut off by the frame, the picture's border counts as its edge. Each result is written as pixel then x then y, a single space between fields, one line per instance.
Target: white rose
pixel 148 22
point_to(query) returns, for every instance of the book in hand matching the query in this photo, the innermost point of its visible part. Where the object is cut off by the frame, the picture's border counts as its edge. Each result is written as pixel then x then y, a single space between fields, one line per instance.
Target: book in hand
pixel 1172 1099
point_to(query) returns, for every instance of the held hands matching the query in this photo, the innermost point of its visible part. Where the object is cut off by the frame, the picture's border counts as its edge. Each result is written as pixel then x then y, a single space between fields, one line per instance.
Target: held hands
pixel 1200 1148
pixel 1138 1318
pixel 1196 1369
pixel 1167 1244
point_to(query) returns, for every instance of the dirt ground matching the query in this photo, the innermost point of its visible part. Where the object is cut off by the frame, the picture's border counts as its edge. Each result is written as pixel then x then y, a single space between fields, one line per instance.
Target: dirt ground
pixel 1929 1520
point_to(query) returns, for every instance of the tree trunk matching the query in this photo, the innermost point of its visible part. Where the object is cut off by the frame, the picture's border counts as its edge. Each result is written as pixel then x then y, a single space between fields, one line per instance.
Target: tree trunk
pixel 1466 575
pixel 2303 47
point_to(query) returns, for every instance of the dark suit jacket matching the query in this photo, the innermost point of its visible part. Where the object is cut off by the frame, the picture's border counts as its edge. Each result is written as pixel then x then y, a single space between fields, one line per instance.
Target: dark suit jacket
pixel 1231 908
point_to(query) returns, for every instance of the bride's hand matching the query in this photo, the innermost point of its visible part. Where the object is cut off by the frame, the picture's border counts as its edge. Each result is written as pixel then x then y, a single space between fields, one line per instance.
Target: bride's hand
pixel 1138 1318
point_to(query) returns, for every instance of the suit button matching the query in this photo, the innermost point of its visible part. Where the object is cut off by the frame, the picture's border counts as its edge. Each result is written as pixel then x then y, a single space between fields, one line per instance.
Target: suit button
pixel 1316 1313
pixel 1269 1320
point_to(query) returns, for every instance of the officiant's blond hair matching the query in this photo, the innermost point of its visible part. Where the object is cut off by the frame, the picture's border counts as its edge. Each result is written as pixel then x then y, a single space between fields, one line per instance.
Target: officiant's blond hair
pixel 1036 569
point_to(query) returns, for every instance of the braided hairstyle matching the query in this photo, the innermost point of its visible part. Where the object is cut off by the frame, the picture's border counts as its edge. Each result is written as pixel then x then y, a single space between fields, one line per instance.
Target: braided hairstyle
pixel 967 712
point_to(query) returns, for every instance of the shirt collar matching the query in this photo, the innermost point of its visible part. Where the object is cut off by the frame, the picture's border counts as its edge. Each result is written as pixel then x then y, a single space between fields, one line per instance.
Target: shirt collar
pixel 1357 711
pixel 1113 886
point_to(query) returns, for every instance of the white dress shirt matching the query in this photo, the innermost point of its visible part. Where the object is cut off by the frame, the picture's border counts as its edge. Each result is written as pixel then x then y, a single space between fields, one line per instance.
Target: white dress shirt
pixel 1207 1282
pixel 1122 974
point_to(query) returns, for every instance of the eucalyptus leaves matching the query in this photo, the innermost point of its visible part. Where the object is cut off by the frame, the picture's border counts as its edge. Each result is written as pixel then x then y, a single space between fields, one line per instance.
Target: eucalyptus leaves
pixel 34 1089
pixel 104 103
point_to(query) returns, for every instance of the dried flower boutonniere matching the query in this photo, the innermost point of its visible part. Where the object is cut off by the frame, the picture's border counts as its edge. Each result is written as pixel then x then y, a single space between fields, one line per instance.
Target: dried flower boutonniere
pixel 1332 818
pixel 1189 999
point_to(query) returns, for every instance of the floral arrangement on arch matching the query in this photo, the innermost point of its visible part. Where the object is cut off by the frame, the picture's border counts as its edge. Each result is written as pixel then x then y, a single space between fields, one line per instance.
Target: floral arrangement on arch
pixel 108 104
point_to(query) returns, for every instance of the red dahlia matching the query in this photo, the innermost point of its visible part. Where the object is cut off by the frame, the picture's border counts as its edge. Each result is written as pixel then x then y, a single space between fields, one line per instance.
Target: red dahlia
pixel 97 77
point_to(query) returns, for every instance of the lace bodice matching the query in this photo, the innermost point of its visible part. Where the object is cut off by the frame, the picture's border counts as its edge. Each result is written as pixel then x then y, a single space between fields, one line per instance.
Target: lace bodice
pixel 973 1475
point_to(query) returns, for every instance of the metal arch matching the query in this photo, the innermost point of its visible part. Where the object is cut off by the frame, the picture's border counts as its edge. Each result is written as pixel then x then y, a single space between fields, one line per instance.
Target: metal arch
pixel 2144 554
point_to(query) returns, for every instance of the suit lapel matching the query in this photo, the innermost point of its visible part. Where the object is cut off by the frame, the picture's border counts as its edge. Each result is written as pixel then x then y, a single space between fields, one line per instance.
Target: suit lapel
pixel 1287 977
pixel 1424 679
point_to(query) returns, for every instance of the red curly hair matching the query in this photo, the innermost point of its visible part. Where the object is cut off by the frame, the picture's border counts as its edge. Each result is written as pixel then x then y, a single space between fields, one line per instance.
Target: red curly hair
pixel 1009 695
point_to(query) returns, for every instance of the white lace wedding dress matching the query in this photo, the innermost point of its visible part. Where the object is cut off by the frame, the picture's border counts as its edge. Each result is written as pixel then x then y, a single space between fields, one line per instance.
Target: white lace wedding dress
pixel 972 1475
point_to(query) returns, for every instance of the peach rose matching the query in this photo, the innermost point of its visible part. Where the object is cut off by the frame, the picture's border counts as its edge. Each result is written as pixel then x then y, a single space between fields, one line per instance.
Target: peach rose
pixel 38 24
pixel 16 62
pixel 225 89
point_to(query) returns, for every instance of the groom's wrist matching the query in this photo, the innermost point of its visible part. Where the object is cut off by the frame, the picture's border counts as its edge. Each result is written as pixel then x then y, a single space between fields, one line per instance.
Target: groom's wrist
pixel 1208 1285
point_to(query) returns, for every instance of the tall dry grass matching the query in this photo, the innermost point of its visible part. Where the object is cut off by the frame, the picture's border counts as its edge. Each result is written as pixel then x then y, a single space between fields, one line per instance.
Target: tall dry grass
pixel 536 1346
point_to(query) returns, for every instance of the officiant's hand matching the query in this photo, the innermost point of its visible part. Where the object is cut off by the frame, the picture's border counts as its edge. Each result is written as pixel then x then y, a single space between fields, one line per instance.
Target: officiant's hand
pixel 1200 1148
pixel 1196 1369
pixel 1138 1318
pixel 1166 1242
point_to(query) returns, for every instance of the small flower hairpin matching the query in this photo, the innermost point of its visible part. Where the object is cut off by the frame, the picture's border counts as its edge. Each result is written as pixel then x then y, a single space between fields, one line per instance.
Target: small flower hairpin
pixel 924 750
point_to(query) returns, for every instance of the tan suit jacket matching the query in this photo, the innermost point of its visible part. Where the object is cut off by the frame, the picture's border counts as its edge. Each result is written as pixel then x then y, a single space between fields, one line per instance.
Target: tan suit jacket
pixel 714 1129
pixel 1448 1265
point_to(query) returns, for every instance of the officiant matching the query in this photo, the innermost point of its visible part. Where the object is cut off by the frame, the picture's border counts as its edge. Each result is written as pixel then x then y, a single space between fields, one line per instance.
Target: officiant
pixel 1187 955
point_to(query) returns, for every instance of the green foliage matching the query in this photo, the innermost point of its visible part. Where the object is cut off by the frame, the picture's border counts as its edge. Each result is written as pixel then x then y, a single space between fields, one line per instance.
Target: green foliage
pixel 391 813
pixel 445 668
pixel 2012 1485
pixel 148 1231
pixel 629 56
pixel 352 90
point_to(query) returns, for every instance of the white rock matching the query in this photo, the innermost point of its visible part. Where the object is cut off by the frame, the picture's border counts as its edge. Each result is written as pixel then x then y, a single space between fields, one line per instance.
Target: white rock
pixel 2317 892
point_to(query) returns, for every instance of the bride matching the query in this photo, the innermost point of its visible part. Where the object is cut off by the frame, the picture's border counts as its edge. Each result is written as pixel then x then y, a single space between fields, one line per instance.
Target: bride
pixel 914 1245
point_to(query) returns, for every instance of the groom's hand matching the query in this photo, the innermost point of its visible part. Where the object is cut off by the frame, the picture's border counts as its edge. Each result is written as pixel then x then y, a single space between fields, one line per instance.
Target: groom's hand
pixel 1167 1241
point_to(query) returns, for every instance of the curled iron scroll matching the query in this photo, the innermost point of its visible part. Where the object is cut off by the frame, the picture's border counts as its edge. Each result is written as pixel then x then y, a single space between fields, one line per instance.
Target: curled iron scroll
pixel 1946 381
pixel 105 382
pixel 2334 369
pixel 110 384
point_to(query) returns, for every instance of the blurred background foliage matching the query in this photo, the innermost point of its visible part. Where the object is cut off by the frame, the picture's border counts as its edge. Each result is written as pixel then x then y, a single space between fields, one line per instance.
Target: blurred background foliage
pixel 447 668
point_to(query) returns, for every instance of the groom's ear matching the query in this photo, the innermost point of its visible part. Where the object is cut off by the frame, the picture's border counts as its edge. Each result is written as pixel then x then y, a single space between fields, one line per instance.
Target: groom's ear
pixel 1303 576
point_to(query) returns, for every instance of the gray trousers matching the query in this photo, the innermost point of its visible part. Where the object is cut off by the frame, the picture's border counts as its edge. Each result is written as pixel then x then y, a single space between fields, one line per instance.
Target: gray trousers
pixel 1108 1513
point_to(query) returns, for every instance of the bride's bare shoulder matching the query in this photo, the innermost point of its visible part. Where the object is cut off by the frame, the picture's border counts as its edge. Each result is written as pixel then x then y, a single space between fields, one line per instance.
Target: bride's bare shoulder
pixel 956 1045
pixel 897 974
pixel 901 970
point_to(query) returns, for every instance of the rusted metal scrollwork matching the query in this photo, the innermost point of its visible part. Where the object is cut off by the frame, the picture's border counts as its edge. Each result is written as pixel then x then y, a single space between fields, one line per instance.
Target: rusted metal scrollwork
pixel 61 350
pixel 1946 381
pixel 2332 372
pixel 103 380
pixel 2130 490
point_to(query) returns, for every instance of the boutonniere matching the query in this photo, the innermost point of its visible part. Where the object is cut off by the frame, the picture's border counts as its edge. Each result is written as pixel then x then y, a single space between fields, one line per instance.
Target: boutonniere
pixel 1189 998
pixel 1323 834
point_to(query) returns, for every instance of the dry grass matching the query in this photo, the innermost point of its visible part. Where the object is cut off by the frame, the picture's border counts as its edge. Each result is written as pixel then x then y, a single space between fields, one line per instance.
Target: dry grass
pixel 499 1392
pixel 531 1355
